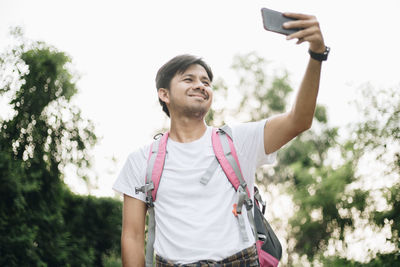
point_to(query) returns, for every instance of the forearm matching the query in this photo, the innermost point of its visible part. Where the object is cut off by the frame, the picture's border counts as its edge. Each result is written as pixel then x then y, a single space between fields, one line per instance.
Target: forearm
pixel 302 112
pixel 132 252
pixel 303 109
pixel 281 129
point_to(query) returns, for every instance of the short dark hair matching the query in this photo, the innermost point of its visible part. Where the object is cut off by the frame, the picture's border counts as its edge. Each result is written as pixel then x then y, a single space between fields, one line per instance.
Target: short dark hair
pixel 178 64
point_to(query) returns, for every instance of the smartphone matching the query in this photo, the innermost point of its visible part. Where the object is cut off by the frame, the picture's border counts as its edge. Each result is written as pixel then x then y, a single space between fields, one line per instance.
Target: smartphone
pixel 273 21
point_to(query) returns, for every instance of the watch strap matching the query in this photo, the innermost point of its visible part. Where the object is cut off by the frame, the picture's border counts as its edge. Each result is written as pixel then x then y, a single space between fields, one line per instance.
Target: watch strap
pixel 320 56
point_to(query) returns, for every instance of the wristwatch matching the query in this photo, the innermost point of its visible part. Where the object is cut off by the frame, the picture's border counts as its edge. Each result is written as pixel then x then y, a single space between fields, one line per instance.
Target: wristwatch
pixel 320 56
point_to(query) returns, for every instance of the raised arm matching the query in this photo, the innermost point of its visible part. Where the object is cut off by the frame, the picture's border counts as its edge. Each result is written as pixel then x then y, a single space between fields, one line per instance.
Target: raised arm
pixel 132 238
pixel 282 128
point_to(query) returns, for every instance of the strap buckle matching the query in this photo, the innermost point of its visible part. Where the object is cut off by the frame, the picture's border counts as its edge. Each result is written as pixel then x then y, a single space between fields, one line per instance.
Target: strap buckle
pixel 243 186
pixel 259 200
pixel 248 203
pixel 146 189
pixel 139 189
pixel 225 130
pixel 235 211
pixel 157 136
pixel 149 201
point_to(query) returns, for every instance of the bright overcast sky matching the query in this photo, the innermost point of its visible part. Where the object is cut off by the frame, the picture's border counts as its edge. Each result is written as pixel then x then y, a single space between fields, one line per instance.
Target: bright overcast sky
pixel 118 46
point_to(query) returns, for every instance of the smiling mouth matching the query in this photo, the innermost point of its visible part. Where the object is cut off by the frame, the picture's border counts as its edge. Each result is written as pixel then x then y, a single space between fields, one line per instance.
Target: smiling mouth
pixel 199 95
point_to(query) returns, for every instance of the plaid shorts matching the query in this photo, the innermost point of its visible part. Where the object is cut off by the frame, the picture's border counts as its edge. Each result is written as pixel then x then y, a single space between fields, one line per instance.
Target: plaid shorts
pixel 245 258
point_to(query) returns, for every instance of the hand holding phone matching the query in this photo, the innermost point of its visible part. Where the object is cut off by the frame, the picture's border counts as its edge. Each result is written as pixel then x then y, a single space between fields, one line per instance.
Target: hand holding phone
pixel 273 21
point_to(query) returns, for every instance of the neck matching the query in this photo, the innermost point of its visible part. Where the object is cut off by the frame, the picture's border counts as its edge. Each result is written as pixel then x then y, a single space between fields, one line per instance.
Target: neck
pixel 185 130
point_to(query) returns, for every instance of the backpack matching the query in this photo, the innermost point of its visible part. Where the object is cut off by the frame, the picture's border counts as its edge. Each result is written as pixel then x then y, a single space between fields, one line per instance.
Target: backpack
pixel 268 246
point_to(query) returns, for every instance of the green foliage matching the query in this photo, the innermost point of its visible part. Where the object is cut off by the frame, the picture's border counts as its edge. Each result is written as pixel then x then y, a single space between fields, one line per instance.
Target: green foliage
pixel 317 196
pixel 94 225
pixel 261 98
pixel 321 114
pixel 380 260
pixel 319 170
pixel 216 116
pixel 40 221
pixel 113 260
pixel 379 135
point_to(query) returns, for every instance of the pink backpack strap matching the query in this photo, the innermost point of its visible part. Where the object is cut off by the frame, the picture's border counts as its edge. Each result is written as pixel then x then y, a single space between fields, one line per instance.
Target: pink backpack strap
pixel 156 162
pixel 155 166
pixel 226 155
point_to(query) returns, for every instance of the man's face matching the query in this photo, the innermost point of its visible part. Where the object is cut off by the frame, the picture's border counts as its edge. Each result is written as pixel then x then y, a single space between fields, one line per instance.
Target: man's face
pixel 190 93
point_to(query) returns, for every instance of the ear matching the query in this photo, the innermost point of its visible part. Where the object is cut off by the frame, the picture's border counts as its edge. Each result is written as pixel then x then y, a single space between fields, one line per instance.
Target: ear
pixel 163 94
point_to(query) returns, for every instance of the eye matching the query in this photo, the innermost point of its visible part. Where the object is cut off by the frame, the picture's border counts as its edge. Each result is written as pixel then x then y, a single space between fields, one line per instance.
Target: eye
pixel 187 79
pixel 206 83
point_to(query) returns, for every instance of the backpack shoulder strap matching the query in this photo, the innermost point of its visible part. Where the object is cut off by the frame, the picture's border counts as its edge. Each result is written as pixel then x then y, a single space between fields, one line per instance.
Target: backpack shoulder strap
pixel 155 164
pixel 226 155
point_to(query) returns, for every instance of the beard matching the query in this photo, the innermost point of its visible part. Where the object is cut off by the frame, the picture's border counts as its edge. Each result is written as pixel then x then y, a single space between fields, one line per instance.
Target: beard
pixel 189 110
pixel 198 112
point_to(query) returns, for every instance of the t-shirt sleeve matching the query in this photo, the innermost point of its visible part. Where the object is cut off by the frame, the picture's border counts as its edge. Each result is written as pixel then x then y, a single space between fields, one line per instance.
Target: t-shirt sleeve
pixel 249 142
pixel 133 174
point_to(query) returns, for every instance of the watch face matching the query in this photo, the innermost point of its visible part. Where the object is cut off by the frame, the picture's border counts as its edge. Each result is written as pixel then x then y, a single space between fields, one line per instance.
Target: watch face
pixel 326 52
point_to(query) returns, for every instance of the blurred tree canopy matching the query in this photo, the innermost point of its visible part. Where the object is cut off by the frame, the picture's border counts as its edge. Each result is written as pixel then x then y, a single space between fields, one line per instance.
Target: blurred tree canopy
pixel 42 223
pixel 321 171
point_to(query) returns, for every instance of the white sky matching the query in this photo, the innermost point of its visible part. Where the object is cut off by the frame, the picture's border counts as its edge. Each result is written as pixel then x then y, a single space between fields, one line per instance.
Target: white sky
pixel 118 46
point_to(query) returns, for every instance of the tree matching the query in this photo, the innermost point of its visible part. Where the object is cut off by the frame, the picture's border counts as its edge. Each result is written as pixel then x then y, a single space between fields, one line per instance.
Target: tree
pixel 44 134
pixel 375 145
pixel 325 198
pixel 94 226
pixel 345 199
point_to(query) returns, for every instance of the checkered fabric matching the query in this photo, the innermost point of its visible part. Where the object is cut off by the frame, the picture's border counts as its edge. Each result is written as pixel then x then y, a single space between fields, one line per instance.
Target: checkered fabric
pixel 245 258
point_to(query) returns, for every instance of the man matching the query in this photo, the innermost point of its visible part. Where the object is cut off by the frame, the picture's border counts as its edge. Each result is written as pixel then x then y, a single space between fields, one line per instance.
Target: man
pixel 194 223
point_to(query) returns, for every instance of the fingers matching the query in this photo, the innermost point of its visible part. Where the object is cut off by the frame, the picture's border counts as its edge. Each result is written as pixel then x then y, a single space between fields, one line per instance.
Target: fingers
pixel 312 35
pixel 298 15
pixel 310 31
pixel 302 24
pixel 304 33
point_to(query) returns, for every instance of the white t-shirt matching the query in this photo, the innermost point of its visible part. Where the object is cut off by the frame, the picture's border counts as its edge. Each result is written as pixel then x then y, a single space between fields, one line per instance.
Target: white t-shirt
pixel 195 221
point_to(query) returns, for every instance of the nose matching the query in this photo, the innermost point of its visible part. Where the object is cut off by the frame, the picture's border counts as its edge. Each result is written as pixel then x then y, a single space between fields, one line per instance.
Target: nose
pixel 200 85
